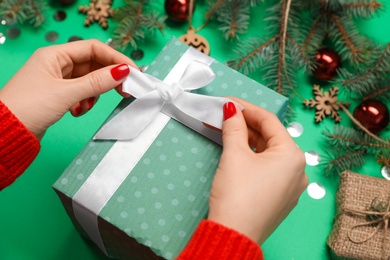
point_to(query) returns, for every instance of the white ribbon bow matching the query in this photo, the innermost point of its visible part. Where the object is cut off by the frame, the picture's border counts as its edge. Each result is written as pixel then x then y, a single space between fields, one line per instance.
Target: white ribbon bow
pixel 153 96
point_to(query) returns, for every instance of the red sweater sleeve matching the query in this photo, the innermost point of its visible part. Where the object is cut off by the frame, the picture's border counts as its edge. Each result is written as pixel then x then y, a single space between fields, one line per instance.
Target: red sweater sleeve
pixel 18 147
pixel 214 241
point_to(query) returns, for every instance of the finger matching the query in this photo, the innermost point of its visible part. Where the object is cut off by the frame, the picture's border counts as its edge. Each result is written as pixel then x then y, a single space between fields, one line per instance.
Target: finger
pixel 83 106
pixel 256 140
pixel 234 129
pixel 96 82
pixel 120 92
pixel 93 50
pixel 212 127
pixel 265 122
pixel 81 69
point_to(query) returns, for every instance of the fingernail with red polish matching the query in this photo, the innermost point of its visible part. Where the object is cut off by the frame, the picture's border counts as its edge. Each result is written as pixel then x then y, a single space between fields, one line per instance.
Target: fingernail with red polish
pixel 120 71
pixel 91 102
pixel 229 110
pixel 77 110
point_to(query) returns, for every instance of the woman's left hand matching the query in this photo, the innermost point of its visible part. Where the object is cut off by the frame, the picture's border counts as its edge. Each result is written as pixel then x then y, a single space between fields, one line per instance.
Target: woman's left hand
pixel 64 77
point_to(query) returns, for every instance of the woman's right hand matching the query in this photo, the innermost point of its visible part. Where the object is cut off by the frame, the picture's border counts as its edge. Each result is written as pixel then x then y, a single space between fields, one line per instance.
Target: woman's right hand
pixel 254 191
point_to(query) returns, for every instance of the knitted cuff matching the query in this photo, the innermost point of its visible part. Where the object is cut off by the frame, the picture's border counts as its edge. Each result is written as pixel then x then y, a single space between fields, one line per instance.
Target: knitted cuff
pixel 18 147
pixel 214 241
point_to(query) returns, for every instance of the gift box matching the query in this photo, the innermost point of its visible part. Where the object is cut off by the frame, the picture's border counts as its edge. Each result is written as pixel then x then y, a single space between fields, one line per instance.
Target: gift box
pixel 360 228
pixel 143 198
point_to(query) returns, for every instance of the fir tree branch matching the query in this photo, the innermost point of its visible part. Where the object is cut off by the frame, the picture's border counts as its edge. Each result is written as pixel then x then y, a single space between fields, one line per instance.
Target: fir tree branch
pixel 282 46
pixel 210 12
pixel 348 137
pixel 153 22
pixel 283 30
pixel 301 50
pixel 234 18
pixel 358 141
pixel 373 5
pixel 36 16
pixel 377 93
pixel 363 9
pixel 233 23
pixel 24 10
pixel 131 18
pixel 311 33
pixel 12 9
pixel 383 158
pixel 344 160
pixel 137 18
pixel 240 63
pixel 128 37
pixel 382 61
pixel 344 34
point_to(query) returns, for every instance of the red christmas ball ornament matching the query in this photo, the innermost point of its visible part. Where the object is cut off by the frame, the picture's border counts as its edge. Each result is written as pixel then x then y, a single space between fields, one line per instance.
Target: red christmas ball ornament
pixel 373 115
pixel 328 61
pixel 177 10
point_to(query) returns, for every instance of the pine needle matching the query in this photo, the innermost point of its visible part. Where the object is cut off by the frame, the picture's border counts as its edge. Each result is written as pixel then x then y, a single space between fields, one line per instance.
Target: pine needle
pixel 338 160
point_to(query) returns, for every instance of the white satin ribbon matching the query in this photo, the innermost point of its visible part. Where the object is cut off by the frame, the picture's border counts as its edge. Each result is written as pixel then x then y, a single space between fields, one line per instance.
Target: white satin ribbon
pixel 154 95
pixel 123 156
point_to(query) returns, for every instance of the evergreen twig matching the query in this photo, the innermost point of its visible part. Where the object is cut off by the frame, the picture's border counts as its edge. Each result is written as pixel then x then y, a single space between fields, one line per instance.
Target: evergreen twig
pixel 364 81
pixel 135 19
pixel 339 160
pixel 233 16
pixel 31 11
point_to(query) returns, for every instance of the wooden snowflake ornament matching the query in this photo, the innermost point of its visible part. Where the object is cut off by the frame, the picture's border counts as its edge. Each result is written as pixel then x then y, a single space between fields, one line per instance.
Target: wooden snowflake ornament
pixel 97 11
pixel 325 103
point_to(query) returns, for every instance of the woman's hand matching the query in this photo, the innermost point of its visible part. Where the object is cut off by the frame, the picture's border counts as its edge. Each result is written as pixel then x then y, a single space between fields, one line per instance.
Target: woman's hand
pixel 253 191
pixel 63 77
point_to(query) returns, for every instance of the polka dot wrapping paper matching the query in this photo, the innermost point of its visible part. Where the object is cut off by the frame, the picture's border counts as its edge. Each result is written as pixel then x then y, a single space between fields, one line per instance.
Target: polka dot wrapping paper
pixel 157 207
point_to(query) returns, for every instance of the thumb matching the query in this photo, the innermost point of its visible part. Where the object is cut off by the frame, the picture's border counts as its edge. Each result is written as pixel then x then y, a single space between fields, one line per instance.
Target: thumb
pixel 99 81
pixel 234 128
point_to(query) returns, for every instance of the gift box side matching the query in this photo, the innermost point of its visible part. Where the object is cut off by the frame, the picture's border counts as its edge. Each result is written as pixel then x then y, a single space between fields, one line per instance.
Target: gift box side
pixel 67 204
pixel 356 192
pixel 121 245
pixel 112 237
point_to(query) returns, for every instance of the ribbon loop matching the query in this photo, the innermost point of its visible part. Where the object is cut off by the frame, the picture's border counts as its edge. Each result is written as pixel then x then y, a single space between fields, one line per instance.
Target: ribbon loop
pixel 154 96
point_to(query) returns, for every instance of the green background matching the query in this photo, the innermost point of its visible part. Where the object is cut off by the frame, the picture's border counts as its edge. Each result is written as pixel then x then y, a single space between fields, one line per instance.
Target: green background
pixel 33 223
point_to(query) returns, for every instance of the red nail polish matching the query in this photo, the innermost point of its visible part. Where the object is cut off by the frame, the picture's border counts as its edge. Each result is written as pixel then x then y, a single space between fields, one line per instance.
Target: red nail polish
pixel 120 71
pixel 91 102
pixel 77 110
pixel 229 110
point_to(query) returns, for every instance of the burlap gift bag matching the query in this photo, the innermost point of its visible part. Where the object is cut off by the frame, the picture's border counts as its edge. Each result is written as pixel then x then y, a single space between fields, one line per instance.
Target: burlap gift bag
pixel 360 228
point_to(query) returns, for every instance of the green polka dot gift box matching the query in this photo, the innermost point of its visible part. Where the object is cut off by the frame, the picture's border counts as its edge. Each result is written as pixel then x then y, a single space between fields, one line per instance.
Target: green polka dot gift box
pixel 143 197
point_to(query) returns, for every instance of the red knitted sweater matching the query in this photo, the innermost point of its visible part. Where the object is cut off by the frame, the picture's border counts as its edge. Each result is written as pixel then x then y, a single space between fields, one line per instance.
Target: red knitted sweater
pixel 19 147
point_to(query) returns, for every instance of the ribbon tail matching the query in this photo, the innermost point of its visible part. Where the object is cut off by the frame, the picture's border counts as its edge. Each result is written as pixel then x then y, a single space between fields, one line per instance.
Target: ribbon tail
pixel 206 109
pixel 133 119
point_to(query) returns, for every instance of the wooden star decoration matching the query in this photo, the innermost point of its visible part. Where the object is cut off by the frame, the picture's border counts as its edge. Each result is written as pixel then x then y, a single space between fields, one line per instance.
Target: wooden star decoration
pixel 97 11
pixel 325 103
